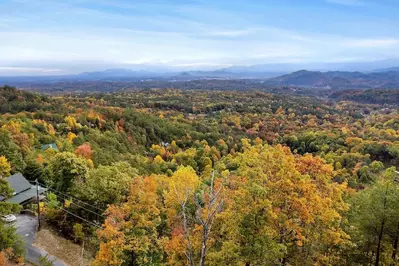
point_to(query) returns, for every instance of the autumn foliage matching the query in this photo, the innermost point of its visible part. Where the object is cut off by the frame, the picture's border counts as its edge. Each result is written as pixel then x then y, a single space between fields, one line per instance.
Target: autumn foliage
pixel 207 177
pixel 84 150
pixel 289 203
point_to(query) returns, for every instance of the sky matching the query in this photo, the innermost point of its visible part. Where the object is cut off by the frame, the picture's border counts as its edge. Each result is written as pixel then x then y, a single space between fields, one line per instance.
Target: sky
pixel 47 37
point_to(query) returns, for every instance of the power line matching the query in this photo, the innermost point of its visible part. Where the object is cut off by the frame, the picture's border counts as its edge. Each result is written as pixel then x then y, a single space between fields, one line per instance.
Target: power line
pixel 66 195
pixel 79 217
pixel 69 196
pixel 72 202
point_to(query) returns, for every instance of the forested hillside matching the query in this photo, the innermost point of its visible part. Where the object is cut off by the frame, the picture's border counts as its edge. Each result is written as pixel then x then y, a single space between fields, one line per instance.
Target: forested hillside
pixel 381 96
pixel 338 79
pixel 196 177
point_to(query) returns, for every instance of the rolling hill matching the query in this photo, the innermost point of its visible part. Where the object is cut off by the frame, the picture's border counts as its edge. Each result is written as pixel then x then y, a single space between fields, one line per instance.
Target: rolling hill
pixel 388 79
pixel 338 79
pixel 373 96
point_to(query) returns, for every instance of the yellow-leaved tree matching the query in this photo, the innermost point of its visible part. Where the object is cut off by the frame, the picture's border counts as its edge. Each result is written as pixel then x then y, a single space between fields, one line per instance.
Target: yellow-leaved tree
pixel 192 209
pixel 5 167
pixel 129 234
pixel 179 199
pixel 281 209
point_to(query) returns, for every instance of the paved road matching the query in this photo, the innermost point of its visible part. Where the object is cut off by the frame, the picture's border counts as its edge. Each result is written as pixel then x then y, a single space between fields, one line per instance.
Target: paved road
pixel 26 227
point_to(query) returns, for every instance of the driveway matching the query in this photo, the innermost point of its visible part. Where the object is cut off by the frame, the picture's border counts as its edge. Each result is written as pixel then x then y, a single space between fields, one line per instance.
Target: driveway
pixel 26 226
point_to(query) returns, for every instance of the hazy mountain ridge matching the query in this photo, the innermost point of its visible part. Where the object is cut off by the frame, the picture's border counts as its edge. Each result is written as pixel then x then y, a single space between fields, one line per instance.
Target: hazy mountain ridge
pixel 302 78
pixel 110 75
pixel 338 79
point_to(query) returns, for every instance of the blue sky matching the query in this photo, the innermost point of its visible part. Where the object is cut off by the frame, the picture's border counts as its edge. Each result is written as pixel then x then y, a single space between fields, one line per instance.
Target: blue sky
pixel 68 36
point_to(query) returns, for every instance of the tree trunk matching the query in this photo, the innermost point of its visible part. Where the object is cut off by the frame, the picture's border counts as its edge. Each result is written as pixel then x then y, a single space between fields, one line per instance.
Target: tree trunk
pixel 203 253
pixel 133 259
pixel 380 235
pixel 395 245
pixel 187 233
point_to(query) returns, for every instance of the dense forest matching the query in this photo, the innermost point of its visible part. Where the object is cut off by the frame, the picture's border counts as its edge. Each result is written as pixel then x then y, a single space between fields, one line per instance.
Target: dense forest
pixel 381 96
pixel 207 177
pixel 374 96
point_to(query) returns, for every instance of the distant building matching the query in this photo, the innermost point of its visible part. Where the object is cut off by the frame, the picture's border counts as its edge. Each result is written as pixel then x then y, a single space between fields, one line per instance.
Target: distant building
pixel 24 192
pixel 49 146
pixel 165 144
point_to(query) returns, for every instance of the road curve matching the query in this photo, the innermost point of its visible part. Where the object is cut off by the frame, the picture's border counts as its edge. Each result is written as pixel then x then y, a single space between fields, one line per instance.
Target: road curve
pixel 26 226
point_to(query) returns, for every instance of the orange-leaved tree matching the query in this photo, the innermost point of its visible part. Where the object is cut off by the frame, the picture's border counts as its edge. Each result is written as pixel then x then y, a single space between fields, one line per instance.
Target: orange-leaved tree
pixel 129 234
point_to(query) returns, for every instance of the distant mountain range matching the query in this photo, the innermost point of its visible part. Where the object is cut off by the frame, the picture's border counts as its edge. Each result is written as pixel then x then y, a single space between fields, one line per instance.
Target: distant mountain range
pixel 381 78
pixel 121 74
pixel 387 69
pixel 366 67
pixel 338 79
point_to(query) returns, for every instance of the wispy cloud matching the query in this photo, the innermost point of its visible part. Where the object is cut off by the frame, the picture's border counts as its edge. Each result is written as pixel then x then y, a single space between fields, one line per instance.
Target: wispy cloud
pixel 79 35
pixel 229 33
pixel 372 43
pixel 347 2
pixel 37 70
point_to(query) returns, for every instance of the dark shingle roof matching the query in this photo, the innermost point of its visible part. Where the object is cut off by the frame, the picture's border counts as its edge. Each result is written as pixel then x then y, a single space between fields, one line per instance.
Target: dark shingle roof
pixel 26 195
pixel 23 190
pixel 18 183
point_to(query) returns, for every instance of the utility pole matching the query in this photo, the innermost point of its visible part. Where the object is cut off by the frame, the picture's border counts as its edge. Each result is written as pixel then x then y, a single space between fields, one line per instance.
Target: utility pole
pixel 83 250
pixel 38 204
